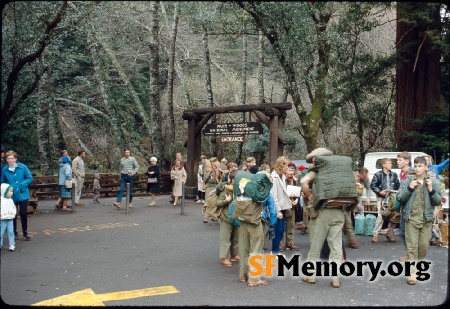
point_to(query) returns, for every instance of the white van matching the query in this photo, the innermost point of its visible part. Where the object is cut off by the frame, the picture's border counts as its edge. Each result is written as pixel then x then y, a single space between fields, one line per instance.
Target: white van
pixel 372 162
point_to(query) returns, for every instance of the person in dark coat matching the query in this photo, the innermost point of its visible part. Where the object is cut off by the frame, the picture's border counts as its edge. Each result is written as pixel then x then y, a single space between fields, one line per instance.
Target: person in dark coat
pixel 153 185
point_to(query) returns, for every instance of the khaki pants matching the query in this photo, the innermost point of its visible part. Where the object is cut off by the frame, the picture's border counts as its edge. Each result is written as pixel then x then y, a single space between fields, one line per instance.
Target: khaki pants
pixel 229 239
pixel 380 219
pixel 326 227
pixel 348 226
pixel 417 241
pixel 78 188
pixel 207 190
pixel 290 225
pixel 250 239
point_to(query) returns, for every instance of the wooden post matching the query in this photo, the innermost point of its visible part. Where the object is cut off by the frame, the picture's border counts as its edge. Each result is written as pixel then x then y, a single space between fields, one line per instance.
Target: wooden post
pixel 280 144
pixel 273 147
pixel 191 153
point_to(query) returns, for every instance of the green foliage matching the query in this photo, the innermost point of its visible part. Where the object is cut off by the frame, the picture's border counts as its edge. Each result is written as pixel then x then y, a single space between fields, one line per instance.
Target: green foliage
pixel 431 135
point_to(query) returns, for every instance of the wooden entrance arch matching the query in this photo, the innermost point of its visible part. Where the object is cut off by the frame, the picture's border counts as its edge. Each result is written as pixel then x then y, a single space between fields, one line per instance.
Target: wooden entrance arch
pixel 271 114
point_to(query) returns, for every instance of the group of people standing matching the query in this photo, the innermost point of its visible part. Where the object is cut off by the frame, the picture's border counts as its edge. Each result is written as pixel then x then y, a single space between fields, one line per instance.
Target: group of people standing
pixel 418 194
pixel 278 210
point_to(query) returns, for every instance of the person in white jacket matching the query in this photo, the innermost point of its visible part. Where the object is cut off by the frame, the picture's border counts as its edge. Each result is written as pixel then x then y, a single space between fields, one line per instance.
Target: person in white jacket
pixel 8 212
pixel 281 199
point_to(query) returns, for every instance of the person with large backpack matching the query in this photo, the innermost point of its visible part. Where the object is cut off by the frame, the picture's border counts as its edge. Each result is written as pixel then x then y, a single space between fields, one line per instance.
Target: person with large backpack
pixel 229 233
pixel 333 192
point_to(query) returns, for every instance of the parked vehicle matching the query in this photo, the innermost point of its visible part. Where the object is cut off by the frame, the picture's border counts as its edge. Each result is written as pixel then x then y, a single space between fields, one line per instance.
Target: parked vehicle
pixel 372 162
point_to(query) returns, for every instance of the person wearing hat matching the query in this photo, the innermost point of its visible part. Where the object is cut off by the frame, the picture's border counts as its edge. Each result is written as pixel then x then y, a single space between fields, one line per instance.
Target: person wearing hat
pixel 326 226
pixel 63 153
pixel 65 173
pixel 291 214
pixel 223 164
pixel 153 186
pixel 250 162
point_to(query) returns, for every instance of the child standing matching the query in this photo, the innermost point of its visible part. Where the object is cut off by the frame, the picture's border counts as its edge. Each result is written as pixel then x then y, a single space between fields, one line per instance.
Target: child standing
pixel 7 214
pixel 419 194
pixel 96 187
pixel 383 182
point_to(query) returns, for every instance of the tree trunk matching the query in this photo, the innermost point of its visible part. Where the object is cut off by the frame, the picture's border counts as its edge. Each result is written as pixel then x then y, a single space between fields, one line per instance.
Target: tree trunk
pixel 208 86
pixel 43 135
pixel 117 132
pixel 418 84
pixel 243 85
pixel 155 107
pixel 310 122
pixel 260 67
pixel 134 96
pixel 170 77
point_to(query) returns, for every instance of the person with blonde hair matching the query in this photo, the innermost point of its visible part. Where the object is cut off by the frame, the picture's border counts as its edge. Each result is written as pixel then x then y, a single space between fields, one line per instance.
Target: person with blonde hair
pixel 200 187
pixel 281 199
pixel 153 186
pixel 383 182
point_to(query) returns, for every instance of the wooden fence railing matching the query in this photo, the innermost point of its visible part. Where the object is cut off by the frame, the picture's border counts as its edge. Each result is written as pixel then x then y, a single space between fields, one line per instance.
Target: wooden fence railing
pixel 44 187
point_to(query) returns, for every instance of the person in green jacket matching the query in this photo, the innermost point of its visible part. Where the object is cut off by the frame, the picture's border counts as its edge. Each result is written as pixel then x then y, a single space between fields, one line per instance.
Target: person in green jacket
pixel 325 226
pixel 229 233
pixel 419 195
pixel 211 179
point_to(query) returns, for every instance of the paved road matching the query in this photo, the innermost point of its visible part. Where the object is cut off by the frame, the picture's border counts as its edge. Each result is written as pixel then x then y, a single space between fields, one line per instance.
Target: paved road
pixel 98 250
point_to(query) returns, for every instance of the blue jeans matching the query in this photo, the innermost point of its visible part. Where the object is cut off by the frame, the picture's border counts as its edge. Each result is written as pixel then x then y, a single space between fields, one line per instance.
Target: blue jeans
pixel 124 179
pixel 279 230
pixel 8 226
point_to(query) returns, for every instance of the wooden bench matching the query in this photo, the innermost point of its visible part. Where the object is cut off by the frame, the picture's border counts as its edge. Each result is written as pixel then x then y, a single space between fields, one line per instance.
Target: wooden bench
pixel 46 187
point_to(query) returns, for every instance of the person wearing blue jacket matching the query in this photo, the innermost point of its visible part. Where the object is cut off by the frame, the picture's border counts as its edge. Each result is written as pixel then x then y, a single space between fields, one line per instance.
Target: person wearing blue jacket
pixel 269 214
pixel 436 168
pixel 19 177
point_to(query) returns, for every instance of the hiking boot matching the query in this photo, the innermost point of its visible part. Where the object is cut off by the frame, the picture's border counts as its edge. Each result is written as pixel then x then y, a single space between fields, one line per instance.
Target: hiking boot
pixel 292 247
pixel 353 244
pixel 390 238
pixel 226 262
pixel 335 284
pixel 235 258
pixel 257 283
pixel 403 259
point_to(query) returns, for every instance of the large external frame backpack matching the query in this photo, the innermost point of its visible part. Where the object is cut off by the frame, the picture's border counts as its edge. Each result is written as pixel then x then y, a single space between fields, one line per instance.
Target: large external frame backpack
pixel 211 205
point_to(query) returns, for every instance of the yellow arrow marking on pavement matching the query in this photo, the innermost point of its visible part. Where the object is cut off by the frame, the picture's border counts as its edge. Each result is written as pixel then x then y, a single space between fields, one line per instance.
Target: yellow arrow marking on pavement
pixel 87 297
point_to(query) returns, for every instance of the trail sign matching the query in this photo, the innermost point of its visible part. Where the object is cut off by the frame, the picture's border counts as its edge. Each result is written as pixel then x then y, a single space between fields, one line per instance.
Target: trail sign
pixel 233 128
pixel 228 139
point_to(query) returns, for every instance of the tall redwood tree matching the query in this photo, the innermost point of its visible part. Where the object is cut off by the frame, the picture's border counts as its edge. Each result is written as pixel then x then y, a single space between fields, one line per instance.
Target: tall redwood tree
pixel 418 81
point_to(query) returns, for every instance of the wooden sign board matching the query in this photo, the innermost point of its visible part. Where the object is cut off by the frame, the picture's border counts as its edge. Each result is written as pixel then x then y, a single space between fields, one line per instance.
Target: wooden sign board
pixel 229 139
pixel 233 128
